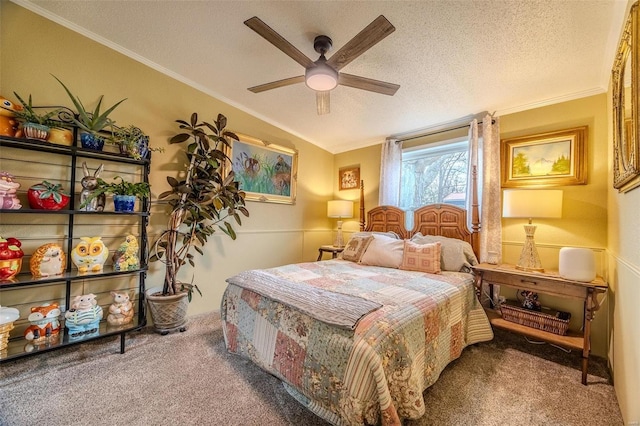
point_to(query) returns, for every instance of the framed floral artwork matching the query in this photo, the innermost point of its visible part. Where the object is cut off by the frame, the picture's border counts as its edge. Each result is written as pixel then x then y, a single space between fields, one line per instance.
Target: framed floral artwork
pixel 349 177
pixel 266 172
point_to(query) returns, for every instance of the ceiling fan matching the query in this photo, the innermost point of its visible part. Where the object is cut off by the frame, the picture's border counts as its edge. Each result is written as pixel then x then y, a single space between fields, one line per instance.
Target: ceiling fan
pixel 323 75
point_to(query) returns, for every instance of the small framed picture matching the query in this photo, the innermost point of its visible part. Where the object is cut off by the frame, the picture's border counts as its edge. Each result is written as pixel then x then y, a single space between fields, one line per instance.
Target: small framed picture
pixel 349 177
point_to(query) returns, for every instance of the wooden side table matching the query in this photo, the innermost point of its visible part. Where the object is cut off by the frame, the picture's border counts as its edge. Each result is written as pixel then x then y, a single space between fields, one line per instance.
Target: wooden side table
pixel 329 249
pixel 546 283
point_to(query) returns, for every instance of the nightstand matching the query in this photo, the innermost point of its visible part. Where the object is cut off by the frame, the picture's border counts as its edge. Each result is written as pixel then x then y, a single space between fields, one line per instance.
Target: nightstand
pixel 545 283
pixel 329 249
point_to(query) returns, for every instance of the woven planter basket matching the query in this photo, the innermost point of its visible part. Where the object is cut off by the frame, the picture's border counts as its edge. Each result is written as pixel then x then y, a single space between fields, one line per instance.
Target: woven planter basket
pixel 545 320
pixel 169 313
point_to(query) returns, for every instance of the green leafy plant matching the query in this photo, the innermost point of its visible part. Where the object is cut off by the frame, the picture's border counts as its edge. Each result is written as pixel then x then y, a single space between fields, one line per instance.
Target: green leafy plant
pixel 127 139
pixel 206 200
pixel 90 121
pixel 29 114
pixel 140 190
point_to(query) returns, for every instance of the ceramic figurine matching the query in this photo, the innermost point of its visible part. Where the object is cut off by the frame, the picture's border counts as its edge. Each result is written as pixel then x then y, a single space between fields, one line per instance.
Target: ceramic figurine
pixel 125 257
pixel 47 196
pixel 121 310
pixel 45 322
pixel 8 189
pixel 89 255
pixel 7 317
pixel 8 123
pixel 84 316
pixel 530 300
pixel 89 184
pixel 10 258
pixel 48 260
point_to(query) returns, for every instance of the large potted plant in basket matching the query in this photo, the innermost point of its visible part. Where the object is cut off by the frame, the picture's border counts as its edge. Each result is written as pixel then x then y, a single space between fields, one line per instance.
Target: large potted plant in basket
pixel 208 199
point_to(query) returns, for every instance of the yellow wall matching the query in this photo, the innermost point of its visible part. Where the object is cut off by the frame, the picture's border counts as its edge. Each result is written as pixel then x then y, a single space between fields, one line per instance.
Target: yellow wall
pixel 584 215
pixel 624 279
pixel 275 234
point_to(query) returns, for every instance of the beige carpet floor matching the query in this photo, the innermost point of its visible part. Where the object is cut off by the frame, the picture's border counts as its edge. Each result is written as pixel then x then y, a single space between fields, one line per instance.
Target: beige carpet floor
pixel 190 379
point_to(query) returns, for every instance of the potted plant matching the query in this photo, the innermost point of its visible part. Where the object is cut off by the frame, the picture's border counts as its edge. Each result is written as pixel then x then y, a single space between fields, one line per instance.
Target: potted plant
pixel 132 141
pixel 35 125
pixel 124 193
pixel 208 199
pixel 91 122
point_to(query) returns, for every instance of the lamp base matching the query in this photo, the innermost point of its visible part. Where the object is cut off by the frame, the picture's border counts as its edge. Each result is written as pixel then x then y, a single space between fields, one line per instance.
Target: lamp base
pixel 529 258
pixel 339 242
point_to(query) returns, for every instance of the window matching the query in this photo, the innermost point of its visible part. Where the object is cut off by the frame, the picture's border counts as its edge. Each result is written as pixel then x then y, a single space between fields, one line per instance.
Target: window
pixel 434 173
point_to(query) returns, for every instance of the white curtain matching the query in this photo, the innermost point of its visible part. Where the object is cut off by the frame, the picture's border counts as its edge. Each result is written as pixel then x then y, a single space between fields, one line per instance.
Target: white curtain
pixel 484 154
pixel 390 172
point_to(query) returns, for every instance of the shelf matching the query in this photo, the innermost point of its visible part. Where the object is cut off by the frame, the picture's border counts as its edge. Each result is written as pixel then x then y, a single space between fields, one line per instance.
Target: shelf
pixel 26 279
pixel 67 224
pixel 68 212
pixel 570 340
pixel 42 146
pixel 20 347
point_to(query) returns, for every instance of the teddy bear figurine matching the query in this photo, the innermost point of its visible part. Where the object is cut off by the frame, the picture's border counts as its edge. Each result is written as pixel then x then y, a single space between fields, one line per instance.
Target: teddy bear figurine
pixel 84 316
pixel 121 310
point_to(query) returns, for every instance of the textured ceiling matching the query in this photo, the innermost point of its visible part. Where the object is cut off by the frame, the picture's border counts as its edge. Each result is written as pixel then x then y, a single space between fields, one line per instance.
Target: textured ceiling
pixel 450 58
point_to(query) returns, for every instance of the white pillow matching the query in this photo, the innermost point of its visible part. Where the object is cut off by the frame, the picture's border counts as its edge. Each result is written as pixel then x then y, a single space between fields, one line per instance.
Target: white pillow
pixel 384 251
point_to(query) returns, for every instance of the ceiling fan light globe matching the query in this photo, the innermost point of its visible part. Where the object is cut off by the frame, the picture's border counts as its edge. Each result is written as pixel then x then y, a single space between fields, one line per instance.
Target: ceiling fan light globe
pixel 321 78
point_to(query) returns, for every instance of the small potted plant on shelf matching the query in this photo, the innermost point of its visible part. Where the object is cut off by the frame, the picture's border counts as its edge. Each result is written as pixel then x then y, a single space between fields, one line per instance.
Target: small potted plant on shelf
pixel 132 141
pixel 124 193
pixel 91 122
pixel 206 200
pixel 35 125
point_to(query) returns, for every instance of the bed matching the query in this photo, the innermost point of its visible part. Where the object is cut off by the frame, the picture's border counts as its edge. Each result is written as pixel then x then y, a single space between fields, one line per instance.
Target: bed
pixel 357 342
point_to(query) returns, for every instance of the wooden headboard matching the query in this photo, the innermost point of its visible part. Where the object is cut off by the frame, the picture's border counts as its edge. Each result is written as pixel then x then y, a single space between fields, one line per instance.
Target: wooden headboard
pixel 434 219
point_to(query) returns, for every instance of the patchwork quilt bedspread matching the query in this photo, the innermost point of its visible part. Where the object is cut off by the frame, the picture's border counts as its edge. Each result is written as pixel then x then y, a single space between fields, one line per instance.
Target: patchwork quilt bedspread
pixel 373 371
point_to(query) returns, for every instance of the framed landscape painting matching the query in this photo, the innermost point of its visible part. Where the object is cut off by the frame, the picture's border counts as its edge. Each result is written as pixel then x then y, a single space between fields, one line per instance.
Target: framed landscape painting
pixel 266 172
pixel 547 159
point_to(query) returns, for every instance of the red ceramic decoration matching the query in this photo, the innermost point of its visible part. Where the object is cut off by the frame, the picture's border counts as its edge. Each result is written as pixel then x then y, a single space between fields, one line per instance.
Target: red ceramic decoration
pixel 47 196
pixel 10 258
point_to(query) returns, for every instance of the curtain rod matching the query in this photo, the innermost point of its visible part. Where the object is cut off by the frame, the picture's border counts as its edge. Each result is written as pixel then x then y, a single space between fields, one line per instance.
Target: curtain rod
pixel 450 129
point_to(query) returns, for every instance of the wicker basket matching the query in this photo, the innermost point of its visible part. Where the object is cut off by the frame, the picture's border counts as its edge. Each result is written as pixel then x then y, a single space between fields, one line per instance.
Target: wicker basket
pixel 546 320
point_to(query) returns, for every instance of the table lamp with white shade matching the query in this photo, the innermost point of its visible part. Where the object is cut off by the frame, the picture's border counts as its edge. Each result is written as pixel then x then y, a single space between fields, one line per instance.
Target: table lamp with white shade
pixel 531 203
pixel 339 209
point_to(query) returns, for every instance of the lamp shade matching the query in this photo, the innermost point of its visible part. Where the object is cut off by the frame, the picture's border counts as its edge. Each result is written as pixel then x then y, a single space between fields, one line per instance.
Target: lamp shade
pixel 530 203
pixel 340 208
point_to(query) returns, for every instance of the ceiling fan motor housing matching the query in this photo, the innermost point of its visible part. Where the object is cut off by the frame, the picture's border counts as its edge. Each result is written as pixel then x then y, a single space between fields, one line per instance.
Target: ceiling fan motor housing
pixel 322 44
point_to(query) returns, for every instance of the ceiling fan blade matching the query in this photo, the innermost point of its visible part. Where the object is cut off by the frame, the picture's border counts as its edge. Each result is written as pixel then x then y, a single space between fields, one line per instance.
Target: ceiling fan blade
pixel 322 102
pixel 276 84
pixel 369 84
pixel 363 41
pixel 257 25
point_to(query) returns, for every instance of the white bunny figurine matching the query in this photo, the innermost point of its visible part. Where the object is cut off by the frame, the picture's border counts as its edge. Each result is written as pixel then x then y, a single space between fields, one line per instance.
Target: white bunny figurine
pixel 89 202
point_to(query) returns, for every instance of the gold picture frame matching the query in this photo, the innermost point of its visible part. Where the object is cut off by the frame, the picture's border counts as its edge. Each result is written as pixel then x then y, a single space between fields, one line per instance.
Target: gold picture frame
pixel 267 172
pixel 548 159
pixel 625 93
pixel 349 177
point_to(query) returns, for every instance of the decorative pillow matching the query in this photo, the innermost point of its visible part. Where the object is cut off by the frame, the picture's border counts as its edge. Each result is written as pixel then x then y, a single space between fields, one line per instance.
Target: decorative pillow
pixel 421 257
pixel 457 255
pixel 383 251
pixel 355 247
